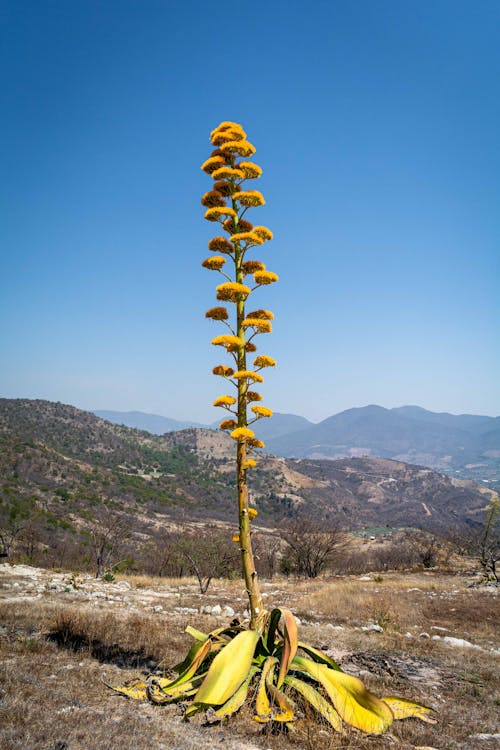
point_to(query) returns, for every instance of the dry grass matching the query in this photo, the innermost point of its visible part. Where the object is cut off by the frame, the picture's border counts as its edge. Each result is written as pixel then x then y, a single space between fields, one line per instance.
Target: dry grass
pixel 55 649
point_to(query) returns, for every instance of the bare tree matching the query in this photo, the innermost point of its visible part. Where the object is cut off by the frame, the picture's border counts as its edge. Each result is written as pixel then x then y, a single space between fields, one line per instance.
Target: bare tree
pixel 208 555
pixel 106 537
pixel 310 547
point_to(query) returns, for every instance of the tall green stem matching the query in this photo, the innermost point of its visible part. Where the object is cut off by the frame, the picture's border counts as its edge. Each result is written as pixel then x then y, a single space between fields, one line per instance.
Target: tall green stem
pixel 247 559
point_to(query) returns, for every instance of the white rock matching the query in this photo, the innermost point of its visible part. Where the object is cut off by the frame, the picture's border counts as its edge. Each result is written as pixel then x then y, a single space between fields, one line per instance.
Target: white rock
pixel 373 627
pixel 228 611
pixel 206 609
pixel 124 585
pixel 216 610
pixel 364 578
pixel 158 609
pixel 424 635
pixel 458 642
pixel 408 635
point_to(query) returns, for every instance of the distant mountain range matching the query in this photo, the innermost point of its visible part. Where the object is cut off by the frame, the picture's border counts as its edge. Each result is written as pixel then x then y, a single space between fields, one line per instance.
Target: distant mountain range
pixel 464 445
pixel 61 467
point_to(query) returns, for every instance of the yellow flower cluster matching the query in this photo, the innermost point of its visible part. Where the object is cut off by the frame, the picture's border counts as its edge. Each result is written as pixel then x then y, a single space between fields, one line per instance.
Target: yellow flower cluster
pixel 242 433
pixel 250 266
pixel 223 370
pixel 214 263
pixel 232 291
pixel 250 463
pixel 254 443
pixel 262 411
pixel 248 375
pixel 242 148
pixel 264 314
pixel 217 313
pixel 228 173
pixel 265 277
pixel 227 340
pixel 249 347
pixel 225 401
pixel 263 326
pixel 224 188
pixel 249 198
pixel 250 170
pixel 227 126
pixel 213 198
pixel 241 226
pixel 220 245
pixel 264 361
pixel 252 512
pixel 263 232
pixel 213 163
pixel 228 424
pixel 225 136
pixel 253 396
pixel 214 214
pixel 249 237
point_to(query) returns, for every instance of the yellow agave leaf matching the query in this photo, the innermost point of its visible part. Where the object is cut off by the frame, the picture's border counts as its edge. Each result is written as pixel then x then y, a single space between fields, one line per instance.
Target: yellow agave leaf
pixel 228 670
pixel 354 703
pixel 136 689
pixel 161 690
pixel 286 712
pixel 201 651
pixel 236 701
pixel 316 700
pixel 196 634
pixel 262 703
pixel 319 656
pixel 157 695
pixel 403 709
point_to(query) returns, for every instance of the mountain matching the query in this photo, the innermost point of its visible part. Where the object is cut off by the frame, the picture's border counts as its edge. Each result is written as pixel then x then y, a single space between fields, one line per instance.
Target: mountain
pixel 139 420
pixel 280 424
pixel 68 461
pixel 467 446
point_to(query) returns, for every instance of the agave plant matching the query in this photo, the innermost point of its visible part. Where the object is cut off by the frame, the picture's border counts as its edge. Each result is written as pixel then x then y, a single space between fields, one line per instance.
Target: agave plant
pixel 221 667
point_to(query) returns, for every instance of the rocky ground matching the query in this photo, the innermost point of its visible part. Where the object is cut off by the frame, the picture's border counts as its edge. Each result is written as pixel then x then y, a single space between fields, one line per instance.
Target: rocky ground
pixel 427 636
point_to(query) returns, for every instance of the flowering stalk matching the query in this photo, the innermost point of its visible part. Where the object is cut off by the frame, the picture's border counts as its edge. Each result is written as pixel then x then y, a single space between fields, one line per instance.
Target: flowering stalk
pixel 229 169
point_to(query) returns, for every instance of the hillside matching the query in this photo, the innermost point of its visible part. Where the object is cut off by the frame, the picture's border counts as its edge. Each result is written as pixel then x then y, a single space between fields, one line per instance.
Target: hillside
pixel 66 461
pixel 464 446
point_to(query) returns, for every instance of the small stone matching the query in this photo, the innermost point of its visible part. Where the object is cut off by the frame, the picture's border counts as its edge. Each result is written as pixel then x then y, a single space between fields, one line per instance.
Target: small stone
pixel 216 610
pixel 424 635
pixel 158 609
pixel 228 611
pixel 206 609
pixel 373 627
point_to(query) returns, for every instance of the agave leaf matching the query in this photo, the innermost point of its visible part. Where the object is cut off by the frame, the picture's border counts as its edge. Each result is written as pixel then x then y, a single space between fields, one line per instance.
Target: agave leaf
pixel 136 689
pixel 236 701
pixel 157 694
pixel 196 634
pixel 354 703
pixel 290 645
pixel 200 654
pixel 262 703
pixel 274 619
pixel 286 712
pixel 228 670
pixel 403 709
pixel 316 700
pixel 164 691
pixel 319 656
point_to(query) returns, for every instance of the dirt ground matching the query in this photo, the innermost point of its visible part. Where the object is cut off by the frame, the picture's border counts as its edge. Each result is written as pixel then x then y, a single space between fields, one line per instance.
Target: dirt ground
pixel 430 637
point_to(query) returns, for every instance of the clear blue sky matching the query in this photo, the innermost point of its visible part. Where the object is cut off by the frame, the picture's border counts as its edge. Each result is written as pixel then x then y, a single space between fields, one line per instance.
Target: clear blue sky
pixel 377 125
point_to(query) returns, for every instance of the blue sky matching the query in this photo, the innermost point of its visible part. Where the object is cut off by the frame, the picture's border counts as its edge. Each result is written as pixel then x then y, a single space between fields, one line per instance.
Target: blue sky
pixel 376 124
